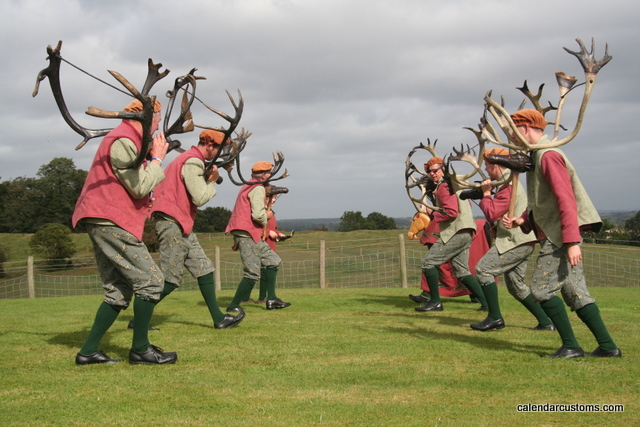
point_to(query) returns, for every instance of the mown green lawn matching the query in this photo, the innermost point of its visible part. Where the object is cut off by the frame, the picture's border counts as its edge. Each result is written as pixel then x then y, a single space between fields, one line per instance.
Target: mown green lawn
pixel 336 357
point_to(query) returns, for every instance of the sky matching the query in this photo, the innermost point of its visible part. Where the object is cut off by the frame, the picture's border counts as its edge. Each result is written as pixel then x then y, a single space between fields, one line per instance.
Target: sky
pixel 343 88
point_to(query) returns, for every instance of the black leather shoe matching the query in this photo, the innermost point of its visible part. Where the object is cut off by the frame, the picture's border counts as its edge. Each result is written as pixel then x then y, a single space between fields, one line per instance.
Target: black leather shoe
pixel 131 325
pixel 540 327
pixel 419 298
pixel 430 306
pixel 487 324
pixel 277 303
pixel 474 299
pixel 230 321
pixel 234 310
pixel 566 353
pixel 153 356
pixel 483 308
pixel 598 352
pixel 97 357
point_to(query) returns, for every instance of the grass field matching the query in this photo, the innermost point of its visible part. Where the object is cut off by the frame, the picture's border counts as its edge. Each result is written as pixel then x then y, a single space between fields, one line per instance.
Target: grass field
pixel 336 357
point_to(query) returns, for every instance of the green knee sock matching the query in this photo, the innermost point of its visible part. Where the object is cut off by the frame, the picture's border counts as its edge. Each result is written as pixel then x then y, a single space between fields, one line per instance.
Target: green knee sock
pixel 208 292
pixel 535 309
pixel 263 285
pixel 105 316
pixel 433 279
pixel 472 284
pixel 554 308
pixel 490 292
pixel 142 312
pixel 590 315
pixel 270 274
pixel 168 288
pixel 243 292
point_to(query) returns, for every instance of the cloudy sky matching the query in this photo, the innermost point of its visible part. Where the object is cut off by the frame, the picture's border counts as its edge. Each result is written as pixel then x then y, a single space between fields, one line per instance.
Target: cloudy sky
pixel 344 88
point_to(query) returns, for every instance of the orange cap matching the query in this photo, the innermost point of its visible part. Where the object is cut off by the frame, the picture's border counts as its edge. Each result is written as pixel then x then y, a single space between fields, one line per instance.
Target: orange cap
pixel 497 151
pixel 262 166
pixel 532 118
pixel 135 106
pixel 210 136
pixel 433 161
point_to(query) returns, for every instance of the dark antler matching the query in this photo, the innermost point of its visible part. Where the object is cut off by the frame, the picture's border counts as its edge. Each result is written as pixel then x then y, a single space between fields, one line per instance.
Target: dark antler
pixel 184 122
pixel 233 121
pixel 53 73
pixel 278 161
pixel 145 117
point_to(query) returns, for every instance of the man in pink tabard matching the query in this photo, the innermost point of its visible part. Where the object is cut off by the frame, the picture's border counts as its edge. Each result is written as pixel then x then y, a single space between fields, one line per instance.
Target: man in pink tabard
pixel 177 198
pixel 113 206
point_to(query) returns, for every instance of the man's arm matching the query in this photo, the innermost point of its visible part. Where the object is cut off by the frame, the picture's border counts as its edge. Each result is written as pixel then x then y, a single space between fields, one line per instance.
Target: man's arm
pixel 201 190
pixel 258 209
pixel 138 182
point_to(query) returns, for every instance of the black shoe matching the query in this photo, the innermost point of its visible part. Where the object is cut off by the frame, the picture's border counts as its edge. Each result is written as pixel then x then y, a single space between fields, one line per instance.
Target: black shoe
pixel 540 327
pixel 487 324
pixel 598 352
pixel 97 357
pixel 566 353
pixel 474 299
pixel 131 325
pixel 234 310
pixel 230 321
pixel 430 306
pixel 483 308
pixel 153 356
pixel 277 303
pixel 419 298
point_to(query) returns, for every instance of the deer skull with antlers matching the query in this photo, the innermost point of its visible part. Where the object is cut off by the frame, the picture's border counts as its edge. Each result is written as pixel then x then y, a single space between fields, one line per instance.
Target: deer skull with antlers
pixel 145 117
pixel 566 84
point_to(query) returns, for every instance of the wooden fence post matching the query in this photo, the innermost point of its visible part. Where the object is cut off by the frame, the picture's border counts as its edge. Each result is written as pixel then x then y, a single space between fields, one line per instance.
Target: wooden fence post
pixel 323 283
pixel 216 275
pixel 30 281
pixel 403 262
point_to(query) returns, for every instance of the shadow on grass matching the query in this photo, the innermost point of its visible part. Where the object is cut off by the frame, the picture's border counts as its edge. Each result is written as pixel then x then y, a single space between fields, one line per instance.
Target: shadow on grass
pixel 76 339
pixel 484 340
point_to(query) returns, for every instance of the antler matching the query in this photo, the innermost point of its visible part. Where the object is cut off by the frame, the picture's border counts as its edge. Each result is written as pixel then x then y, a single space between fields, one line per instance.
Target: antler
pixel 278 161
pixel 184 122
pixel 233 121
pixel 53 73
pixel 566 83
pixel 414 178
pixel 145 117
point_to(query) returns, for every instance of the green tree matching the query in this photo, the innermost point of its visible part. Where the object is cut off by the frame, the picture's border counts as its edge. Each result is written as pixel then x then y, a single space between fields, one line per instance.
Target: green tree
pixel 377 221
pixel 53 243
pixel 632 225
pixel 60 183
pixel 211 220
pixel 20 204
pixel 29 204
pixel 351 221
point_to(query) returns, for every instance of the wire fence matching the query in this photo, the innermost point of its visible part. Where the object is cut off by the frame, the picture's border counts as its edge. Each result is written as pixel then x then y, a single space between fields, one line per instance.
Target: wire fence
pixel 363 263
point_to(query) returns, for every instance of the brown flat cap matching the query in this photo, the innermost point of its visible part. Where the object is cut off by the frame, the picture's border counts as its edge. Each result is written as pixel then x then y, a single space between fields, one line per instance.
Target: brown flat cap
pixel 210 136
pixel 532 118
pixel 135 106
pixel 262 166
pixel 433 161
pixel 496 150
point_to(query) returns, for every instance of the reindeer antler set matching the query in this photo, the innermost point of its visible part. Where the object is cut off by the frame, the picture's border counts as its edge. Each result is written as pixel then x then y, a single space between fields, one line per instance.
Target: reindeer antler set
pixel 487 132
pixel 227 155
